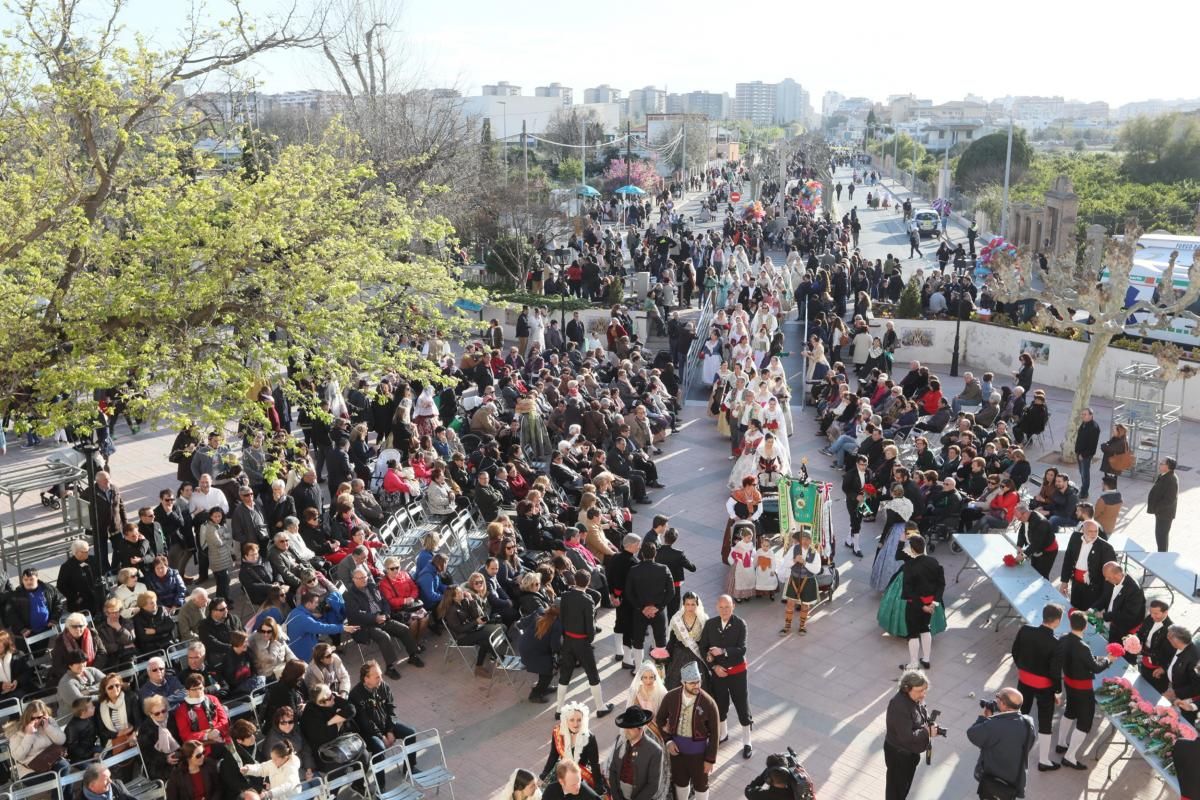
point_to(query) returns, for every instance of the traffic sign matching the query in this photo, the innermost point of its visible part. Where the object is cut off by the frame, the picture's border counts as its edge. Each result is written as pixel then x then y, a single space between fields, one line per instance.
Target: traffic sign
pixel 735 196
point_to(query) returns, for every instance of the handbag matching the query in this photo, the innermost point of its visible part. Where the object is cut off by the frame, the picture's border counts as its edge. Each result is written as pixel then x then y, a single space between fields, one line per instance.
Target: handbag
pixel 122 741
pixel 343 749
pixel 47 759
pixel 1121 461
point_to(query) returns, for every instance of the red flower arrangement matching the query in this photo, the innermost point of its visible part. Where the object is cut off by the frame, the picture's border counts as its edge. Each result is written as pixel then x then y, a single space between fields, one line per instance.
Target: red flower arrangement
pixel 1014 559
pixel 1115 650
pixel 869 490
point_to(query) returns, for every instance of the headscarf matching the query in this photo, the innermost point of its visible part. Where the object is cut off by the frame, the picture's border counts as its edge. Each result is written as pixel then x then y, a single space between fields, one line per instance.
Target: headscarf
pixel 658 692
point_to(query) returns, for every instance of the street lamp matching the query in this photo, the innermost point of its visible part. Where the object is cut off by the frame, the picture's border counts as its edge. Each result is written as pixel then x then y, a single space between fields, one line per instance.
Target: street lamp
pixel 957 328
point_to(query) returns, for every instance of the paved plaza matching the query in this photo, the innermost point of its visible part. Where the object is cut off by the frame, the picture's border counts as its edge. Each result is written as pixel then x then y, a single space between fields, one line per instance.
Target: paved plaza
pixel 823 694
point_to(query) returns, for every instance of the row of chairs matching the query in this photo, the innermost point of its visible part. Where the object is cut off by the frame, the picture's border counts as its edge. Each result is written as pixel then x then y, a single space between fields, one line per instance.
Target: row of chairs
pixel 52 786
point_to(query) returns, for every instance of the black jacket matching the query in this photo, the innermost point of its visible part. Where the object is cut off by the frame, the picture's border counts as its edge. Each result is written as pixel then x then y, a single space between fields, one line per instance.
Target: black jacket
pixel 577 614
pixel 374 711
pixel 649 584
pixel 1164 495
pixel 1183 677
pixel 1004 741
pixel 17 614
pixel 1087 439
pixel 906 726
pixel 79 585
pixel 1158 649
pixel 362 607
pixel 179 786
pixel 124 551
pixel 256 580
pixel 230 770
pixel 732 640
pixel 1128 611
pixel 923 577
pixel 1102 552
pixel 674 560
pixel 159 622
pixel 1035 650
pixel 1036 535
pixel 616 570
pixel 1076 659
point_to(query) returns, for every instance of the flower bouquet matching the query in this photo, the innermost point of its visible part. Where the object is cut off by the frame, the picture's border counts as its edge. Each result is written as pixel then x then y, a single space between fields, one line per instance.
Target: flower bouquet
pixel 1097 622
pixel 1157 726
pixel 1115 650
pixel 1132 645
pixel 1014 559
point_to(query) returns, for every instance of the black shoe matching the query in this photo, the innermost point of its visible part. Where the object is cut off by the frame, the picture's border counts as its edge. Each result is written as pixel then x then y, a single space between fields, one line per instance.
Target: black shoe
pixel 656 485
pixel 604 712
pixel 1070 764
pixel 618 657
pixel 393 673
pixel 925 664
pixel 1060 749
pixel 535 697
pixel 415 661
pixel 858 554
pixel 1052 767
pixel 658 451
pixel 629 667
pixel 645 501
pixel 747 751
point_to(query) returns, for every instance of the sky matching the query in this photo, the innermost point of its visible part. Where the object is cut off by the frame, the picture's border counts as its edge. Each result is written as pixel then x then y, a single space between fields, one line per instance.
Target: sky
pixel 871 48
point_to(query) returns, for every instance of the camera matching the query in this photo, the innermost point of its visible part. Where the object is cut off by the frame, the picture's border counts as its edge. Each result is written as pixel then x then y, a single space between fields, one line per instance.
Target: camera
pixel 933 715
pixel 990 705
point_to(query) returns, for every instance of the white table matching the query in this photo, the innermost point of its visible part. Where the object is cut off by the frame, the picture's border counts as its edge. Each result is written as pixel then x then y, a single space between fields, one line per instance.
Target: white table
pixel 1176 572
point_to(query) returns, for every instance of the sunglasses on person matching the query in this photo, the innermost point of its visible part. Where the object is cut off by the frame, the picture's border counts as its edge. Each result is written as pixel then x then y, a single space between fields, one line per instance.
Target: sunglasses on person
pixel 160 713
pixel 393 569
pixel 286 722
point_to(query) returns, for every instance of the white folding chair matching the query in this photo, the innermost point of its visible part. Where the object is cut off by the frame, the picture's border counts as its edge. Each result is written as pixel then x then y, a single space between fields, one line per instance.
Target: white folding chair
pixel 140 786
pixel 431 777
pixel 37 647
pixel 465 651
pixel 44 786
pixel 309 790
pixel 394 759
pixel 507 661
pixel 337 779
pixel 177 652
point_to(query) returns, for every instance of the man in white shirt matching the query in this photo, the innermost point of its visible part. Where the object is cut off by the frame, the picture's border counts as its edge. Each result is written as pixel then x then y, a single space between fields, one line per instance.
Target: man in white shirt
pixel 205 497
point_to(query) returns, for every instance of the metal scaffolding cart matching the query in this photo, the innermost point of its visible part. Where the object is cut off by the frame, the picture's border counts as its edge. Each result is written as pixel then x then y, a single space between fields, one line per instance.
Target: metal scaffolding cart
pixel 1140 397
pixel 38 534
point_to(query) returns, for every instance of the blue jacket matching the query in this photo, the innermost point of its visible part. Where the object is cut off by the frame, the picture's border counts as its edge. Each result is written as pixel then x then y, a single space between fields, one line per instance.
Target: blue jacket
pixel 303 630
pixel 431 585
pixel 423 559
pixel 170 589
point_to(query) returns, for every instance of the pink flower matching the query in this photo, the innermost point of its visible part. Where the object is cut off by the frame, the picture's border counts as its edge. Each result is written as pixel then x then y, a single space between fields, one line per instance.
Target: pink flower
pixel 1132 645
pixel 1187 734
pixel 1170 737
pixel 1145 707
pixel 1124 683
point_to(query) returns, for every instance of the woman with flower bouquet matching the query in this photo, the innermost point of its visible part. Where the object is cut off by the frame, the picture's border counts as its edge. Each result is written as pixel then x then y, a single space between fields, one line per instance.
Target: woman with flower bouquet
pixel 1080 669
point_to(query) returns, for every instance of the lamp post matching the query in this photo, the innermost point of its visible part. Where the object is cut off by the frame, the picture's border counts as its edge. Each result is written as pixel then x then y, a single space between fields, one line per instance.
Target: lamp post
pixel 957 328
pixel 89 448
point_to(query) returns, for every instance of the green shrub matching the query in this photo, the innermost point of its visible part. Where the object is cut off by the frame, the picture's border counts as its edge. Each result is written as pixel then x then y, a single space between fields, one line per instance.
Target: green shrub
pixel 910 302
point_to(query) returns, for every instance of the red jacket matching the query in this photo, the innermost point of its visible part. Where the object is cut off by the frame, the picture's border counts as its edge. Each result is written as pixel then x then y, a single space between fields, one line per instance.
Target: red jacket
pixel 396 590
pixel 931 400
pixel 183 723
pixel 1007 502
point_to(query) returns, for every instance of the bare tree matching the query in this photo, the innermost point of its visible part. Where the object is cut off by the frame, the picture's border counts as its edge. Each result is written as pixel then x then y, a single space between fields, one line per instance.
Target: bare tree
pixel 1073 285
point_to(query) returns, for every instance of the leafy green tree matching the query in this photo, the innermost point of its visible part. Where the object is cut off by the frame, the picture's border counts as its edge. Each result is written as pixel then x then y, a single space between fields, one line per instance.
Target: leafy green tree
pixel 909 306
pixel 983 162
pixel 570 171
pixel 1164 148
pixel 126 257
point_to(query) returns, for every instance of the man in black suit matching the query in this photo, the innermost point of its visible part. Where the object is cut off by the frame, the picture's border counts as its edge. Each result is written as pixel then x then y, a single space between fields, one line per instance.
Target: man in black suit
pixel 723 644
pixel 1184 690
pixel 1163 501
pixel 1079 670
pixel 620 464
pixel 1035 653
pixel 616 571
pixel 852 487
pixel 1083 565
pixel 677 563
pixel 1156 651
pixel 1121 601
pixel 578 616
pixel 648 591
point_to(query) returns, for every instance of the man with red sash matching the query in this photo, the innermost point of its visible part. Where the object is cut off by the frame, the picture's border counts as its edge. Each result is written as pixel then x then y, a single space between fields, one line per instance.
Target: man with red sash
pixel 1082 576
pixel 1036 538
pixel 1156 650
pixel 723 643
pixel 1034 652
pixel 1122 602
pixel 690 725
pixel 577 614
pixel 1079 671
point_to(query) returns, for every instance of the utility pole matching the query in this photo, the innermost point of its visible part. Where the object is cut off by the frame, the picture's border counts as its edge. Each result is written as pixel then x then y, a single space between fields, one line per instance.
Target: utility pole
pixel 1007 173
pixel 525 159
pixel 628 169
pixel 583 149
pixel 683 157
pixel 504 141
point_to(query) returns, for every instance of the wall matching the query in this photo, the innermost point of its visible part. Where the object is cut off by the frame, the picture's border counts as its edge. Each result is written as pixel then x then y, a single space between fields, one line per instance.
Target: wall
pixel 508 318
pixel 994 348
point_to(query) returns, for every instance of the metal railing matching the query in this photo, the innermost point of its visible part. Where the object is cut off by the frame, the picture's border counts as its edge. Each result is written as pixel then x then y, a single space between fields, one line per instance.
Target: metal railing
pixel 707 314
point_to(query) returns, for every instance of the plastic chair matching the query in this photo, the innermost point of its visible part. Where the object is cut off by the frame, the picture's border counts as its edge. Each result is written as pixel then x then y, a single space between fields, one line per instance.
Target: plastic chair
pixel 141 787
pixel 337 779
pixel 436 776
pixel 393 758
pixel 43 785
pixel 309 790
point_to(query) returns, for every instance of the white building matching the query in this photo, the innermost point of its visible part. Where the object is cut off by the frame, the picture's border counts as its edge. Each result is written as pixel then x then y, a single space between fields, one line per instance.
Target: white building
pixel 755 102
pixel 647 100
pixel 791 102
pixel 501 89
pixel 830 103
pixel 564 93
pixel 505 114
pixel 601 94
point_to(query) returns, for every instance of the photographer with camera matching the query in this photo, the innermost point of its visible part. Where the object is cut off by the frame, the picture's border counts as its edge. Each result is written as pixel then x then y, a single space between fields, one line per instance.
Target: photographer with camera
pixel 910 730
pixel 1004 737
pixel 783 779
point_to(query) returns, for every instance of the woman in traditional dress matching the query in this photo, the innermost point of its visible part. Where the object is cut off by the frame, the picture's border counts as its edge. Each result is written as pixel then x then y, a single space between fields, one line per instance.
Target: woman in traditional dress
pixel 747 463
pixel 775 422
pixel 683 641
pixel 783 394
pixel 532 428
pixel 537 330
pixel 814 360
pixel 897 512
pixel 760 343
pixel 744 503
pixel 766 582
pixel 522 785
pixel 741 352
pixel 425 414
pixel 710 357
pixel 893 607
pixel 647 689
pixel 571 738
pixel 798 564
pixel 741 578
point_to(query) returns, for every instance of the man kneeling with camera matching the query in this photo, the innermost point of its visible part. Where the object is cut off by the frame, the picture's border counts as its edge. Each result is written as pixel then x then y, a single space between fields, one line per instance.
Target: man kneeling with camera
pixel 1004 737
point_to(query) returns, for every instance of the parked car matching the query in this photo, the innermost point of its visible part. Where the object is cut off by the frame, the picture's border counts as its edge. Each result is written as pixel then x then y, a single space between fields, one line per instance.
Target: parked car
pixel 928 222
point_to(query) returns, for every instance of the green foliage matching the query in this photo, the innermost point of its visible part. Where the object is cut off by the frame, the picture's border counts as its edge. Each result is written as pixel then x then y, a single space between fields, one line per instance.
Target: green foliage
pixel 550 301
pixel 1107 197
pixel 910 302
pixel 1161 149
pixel 570 171
pixel 125 258
pixel 983 161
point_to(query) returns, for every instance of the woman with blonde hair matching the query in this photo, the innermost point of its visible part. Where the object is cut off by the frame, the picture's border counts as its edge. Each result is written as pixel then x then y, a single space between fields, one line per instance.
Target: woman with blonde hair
pixel 16 678
pixel 35 741
pixel 573 740
pixel 127 589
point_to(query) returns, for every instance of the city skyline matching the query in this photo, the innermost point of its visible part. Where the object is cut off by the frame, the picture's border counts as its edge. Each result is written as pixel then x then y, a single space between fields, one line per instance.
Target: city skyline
pixel 468 44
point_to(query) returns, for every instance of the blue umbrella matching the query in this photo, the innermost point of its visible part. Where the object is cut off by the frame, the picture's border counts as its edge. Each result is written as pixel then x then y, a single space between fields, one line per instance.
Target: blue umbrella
pixel 630 189
pixel 586 191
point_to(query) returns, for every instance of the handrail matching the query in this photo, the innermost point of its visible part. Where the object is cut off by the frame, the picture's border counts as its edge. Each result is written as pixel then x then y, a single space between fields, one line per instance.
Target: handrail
pixel 707 314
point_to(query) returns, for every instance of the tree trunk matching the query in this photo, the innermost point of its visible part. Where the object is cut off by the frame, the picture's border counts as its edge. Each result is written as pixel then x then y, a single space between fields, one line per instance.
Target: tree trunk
pixel 1083 391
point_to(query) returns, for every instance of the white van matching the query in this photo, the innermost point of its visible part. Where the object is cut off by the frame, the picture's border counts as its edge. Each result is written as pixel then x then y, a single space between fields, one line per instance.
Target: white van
pixel 1149 262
